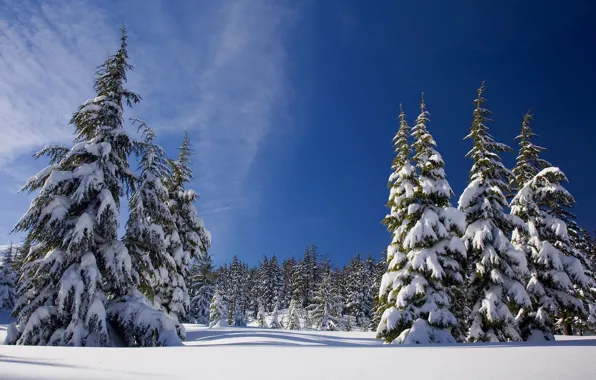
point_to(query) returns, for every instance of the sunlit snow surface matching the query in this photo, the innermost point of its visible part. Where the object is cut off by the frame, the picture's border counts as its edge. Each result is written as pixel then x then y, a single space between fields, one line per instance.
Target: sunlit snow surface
pixel 253 353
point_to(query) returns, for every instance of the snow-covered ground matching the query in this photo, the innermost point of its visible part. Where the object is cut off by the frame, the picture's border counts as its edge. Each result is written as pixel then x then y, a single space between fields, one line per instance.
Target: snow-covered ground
pixel 253 353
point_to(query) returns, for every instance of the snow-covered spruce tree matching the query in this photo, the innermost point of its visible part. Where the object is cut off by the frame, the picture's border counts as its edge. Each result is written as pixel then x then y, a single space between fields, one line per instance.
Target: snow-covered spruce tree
pixel 327 306
pixel 270 280
pixel 148 224
pixel 288 268
pixel 402 184
pixel 586 323
pixel 371 289
pixel 356 285
pixel 201 288
pixel 528 164
pixel 496 268
pixel 308 323
pixel 189 239
pixel 238 315
pixel 430 265
pixel 8 280
pixel 293 316
pixel 261 316
pixel 275 324
pixel 218 311
pixel 555 269
pixel 78 275
pixel 307 277
pixel 237 293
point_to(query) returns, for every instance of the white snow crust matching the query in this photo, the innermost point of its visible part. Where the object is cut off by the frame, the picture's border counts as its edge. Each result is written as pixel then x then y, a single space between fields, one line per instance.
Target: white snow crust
pixel 301 355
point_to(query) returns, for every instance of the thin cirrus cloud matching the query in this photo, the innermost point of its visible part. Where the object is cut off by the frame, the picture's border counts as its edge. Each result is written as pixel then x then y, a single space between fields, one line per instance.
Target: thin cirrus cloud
pixel 219 72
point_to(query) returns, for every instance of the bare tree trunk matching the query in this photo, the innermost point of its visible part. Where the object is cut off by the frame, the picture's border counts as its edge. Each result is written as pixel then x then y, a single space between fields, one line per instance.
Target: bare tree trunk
pixel 567 328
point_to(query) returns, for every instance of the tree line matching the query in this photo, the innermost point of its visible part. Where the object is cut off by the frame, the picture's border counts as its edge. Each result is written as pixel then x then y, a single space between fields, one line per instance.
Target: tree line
pixel 313 293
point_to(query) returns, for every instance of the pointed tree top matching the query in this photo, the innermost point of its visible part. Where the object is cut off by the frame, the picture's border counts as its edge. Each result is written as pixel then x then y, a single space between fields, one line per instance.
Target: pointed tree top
pixel 528 117
pixel 422 104
pixel 185 149
pixel 123 35
pixel 480 100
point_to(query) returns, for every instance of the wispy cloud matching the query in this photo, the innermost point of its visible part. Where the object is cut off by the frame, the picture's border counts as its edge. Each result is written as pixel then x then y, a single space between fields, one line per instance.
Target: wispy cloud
pixel 45 69
pixel 218 70
pixel 225 81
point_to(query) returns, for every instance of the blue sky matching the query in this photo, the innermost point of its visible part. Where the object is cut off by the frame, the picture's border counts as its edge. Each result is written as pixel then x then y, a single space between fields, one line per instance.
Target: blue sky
pixel 291 105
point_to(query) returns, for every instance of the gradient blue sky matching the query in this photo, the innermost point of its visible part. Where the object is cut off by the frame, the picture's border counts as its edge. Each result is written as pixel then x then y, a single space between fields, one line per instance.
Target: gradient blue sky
pixel 291 105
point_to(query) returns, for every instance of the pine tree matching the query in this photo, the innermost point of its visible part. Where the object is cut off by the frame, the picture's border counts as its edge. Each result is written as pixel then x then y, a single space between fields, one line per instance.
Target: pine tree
pixel 555 268
pixel 236 293
pixel 326 309
pixel 218 313
pixel 402 184
pixel 275 282
pixel 201 288
pixel 496 267
pixel 275 324
pixel 307 277
pixel 8 279
pixel 149 223
pixel 78 275
pixel 254 302
pixel 370 287
pixel 288 268
pixel 190 239
pixel 293 316
pixel 583 247
pixel 356 290
pixel 238 316
pixel 430 264
pixel 261 316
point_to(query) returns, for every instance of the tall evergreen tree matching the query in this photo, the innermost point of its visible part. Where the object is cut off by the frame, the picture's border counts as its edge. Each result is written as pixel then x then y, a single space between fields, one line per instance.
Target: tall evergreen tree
pixel 78 260
pixel 149 223
pixel 261 316
pixel 7 280
pixel 431 262
pixel 402 184
pixel 307 276
pixel 496 267
pixel 356 284
pixel 327 305
pixel 586 323
pixel 218 310
pixel 288 268
pixel 275 324
pixel 555 269
pixel 190 239
pixel 201 288
pixel 78 275
pixel 293 316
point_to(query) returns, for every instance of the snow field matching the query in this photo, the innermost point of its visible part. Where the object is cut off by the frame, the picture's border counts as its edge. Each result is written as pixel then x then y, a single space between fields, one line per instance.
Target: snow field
pixel 255 353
